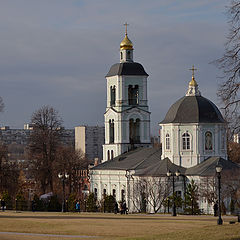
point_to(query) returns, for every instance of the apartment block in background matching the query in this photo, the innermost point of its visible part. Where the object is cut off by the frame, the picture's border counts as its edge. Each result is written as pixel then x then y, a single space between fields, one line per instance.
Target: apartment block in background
pixel 89 139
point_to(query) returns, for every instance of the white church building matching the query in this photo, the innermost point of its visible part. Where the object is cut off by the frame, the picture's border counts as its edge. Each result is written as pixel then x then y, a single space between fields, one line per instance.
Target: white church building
pixel 193 136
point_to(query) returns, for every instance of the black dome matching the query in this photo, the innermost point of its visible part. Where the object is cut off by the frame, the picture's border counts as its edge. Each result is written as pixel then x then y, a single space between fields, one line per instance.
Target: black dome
pixel 193 109
pixel 127 68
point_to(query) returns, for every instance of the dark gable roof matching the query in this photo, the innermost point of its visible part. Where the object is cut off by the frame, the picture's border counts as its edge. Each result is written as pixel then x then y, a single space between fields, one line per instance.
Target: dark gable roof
pixel 127 68
pixel 193 109
pixel 208 167
pixel 135 159
pixel 146 162
pixel 160 169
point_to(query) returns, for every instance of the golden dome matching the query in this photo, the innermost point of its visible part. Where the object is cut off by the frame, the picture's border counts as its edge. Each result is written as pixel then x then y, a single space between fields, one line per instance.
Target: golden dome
pixel 193 82
pixel 126 43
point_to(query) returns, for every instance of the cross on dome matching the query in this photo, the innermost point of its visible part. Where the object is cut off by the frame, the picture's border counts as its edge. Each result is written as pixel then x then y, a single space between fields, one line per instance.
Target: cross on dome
pixel 193 86
pixel 125 24
pixel 193 69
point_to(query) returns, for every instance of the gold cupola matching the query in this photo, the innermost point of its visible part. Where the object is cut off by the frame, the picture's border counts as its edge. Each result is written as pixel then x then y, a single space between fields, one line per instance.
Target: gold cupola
pixel 193 86
pixel 193 82
pixel 126 43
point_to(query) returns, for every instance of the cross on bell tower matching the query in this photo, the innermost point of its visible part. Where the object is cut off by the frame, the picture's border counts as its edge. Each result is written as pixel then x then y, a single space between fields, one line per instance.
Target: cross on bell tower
pixel 126 24
pixel 126 48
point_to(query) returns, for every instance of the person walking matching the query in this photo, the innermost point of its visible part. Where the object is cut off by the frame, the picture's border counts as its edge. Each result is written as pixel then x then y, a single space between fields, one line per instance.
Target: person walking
pixel 124 208
pixel 116 208
pixel 78 207
pixel 3 205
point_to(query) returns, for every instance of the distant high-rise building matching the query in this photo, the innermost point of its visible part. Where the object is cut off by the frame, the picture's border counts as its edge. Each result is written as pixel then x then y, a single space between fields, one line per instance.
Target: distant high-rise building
pixel 21 136
pixel 89 139
pixel 28 126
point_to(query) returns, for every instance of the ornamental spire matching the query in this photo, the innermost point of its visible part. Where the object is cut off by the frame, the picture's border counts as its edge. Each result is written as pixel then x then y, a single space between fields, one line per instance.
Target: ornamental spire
pixel 193 86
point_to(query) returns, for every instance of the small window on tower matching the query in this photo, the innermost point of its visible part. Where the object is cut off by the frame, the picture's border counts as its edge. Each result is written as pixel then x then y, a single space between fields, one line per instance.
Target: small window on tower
pixel 129 54
pixel 186 141
pixel 121 54
pixel 167 141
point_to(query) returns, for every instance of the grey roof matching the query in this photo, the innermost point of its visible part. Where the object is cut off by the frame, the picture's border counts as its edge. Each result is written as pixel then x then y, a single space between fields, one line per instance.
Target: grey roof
pixel 135 159
pixel 208 167
pixel 193 109
pixel 126 68
pixel 160 168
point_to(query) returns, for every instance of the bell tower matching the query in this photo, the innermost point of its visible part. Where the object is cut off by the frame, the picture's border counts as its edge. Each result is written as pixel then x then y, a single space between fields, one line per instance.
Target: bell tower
pixel 127 117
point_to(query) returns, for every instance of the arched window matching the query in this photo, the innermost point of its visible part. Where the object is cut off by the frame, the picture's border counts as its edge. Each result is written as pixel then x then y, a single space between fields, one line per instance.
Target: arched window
pixel 112 154
pixel 137 130
pixel 123 195
pixel 134 131
pixel 95 193
pixel 104 192
pixel 112 95
pixel 223 140
pixel 129 54
pixel 167 141
pixel 108 155
pixel 121 54
pixel 133 93
pixel 208 141
pixel 111 131
pixel 186 141
pixel 114 193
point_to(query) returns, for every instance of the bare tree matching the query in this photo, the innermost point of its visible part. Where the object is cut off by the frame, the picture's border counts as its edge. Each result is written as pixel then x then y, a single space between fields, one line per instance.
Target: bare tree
pixel 9 172
pixel 44 141
pixel 138 195
pixel 207 189
pixel 229 64
pixel 151 190
pixel 234 152
pixel 71 162
pixel 1 105
pixel 158 189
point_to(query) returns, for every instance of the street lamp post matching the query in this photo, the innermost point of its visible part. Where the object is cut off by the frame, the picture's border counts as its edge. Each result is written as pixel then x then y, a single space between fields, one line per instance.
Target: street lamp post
pixel 218 171
pixel 63 177
pixel 169 174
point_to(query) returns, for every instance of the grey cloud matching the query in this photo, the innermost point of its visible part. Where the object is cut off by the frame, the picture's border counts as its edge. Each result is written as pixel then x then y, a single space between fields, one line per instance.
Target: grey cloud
pixel 57 52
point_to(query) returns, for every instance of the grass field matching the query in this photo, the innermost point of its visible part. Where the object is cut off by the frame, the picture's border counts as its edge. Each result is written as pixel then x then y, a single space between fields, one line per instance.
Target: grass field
pixel 110 226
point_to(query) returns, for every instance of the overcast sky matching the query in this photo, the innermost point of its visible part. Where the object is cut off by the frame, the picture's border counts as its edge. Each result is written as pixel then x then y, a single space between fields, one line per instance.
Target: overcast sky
pixel 57 52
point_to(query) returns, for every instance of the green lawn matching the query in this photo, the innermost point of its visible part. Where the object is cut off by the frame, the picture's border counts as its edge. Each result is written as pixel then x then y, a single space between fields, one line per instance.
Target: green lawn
pixel 110 226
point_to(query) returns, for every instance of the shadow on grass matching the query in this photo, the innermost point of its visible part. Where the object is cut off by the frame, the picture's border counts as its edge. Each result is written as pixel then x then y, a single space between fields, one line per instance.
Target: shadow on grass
pixel 110 216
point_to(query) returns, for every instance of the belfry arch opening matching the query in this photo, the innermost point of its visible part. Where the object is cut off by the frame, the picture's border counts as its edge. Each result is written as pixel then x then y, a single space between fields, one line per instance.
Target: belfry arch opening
pixel 111 131
pixel 133 95
pixel 112 95
pixel 134 131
